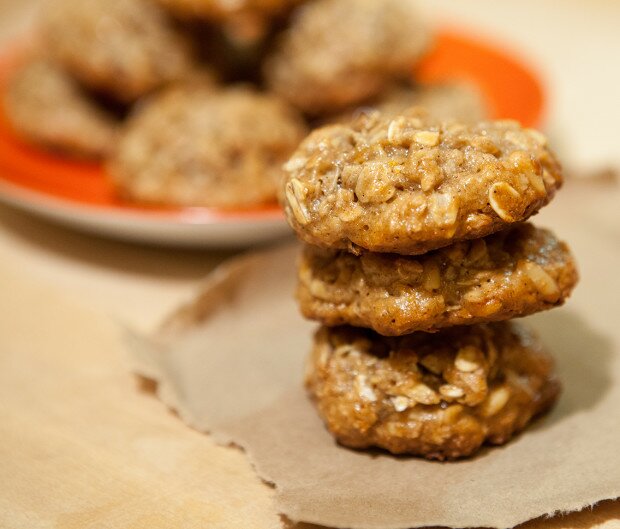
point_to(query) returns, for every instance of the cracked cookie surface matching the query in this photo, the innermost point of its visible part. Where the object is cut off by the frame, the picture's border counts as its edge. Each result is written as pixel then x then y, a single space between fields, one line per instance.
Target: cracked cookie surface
pixel 509 274
pixel 411 183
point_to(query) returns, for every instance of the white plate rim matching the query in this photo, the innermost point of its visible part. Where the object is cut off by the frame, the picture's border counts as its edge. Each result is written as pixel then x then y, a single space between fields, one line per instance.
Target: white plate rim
pixel 186 227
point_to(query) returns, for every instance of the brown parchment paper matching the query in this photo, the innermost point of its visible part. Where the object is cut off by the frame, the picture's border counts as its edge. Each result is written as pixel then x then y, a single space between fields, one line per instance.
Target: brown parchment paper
pixel 231 363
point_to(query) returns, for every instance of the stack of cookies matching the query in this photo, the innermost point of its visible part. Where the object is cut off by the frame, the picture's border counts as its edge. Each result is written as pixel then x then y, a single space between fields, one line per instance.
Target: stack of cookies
pixel 417 254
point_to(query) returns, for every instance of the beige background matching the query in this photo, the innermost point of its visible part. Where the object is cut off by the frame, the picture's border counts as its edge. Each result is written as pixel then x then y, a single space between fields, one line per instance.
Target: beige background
pixel 82 443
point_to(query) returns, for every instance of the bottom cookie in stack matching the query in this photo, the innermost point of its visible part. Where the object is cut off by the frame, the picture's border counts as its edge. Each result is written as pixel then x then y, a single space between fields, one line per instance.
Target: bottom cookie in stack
pixel 439 395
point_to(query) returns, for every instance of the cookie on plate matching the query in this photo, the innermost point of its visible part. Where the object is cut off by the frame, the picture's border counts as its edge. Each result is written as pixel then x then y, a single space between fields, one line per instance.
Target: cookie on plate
pixel 460 102
pixel 457 101
pixel 512 273
pixel 123 48
pixel 440 396
pixel 202 147
pixel 411 183
pixel 337 53
pixel 44 105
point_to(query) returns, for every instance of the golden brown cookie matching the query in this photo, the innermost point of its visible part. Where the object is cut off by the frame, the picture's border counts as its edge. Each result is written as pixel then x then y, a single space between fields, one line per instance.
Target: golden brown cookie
pixel 46 106
pixel 411 183
pixel 337 53
pixel 440 396
pixel 123 48
pixel 460 102
pixel 509 274
pixel 201 147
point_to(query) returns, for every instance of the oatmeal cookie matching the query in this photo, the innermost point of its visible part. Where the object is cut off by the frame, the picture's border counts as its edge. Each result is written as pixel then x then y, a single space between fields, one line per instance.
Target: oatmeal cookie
pixel 337 53
pixel 512 273
pixel 411 183
pixel 46 106
pixel 199 147
pixel 123 48
pixel 460 102
pixel 440 396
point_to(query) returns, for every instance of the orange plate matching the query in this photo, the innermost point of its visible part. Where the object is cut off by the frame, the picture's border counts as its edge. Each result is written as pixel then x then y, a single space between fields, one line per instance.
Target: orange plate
pixel 510 89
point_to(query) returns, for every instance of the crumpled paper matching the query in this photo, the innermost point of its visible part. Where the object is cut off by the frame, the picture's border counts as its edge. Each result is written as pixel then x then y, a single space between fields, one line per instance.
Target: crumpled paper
pixel 231 363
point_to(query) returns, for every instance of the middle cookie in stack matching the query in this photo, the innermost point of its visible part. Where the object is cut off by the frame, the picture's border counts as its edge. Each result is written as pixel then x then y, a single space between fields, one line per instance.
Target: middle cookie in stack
pixel 444 204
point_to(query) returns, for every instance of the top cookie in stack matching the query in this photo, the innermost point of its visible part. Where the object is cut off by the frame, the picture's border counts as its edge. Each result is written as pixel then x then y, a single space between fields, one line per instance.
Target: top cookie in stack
pixel 416 224
pixel 411 184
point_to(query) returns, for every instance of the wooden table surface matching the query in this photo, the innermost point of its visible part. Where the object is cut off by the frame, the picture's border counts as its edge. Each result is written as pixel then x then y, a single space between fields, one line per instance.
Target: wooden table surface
pixel 83 443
